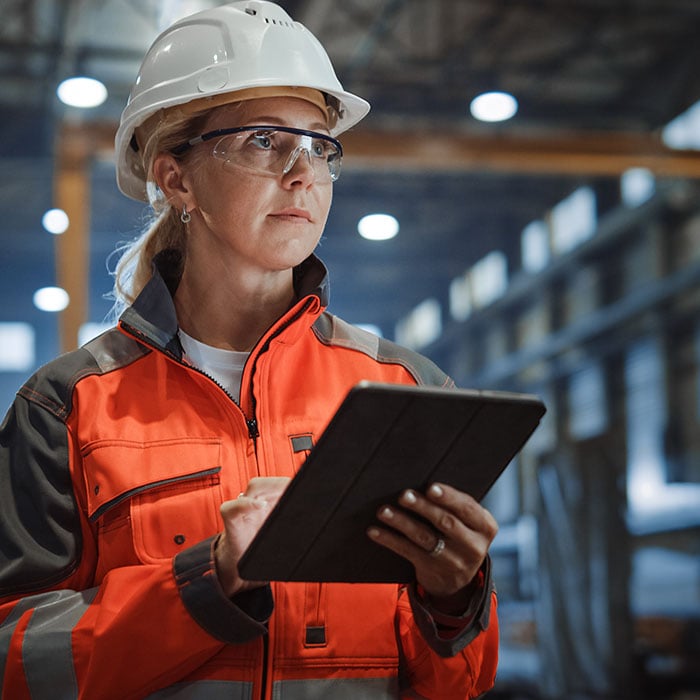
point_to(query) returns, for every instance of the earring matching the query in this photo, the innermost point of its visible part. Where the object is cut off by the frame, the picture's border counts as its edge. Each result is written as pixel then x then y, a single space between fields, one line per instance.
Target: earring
pixel 185 217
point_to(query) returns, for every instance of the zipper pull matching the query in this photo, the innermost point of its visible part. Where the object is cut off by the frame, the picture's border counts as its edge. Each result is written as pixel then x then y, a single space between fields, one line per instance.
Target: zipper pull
pixel 253 431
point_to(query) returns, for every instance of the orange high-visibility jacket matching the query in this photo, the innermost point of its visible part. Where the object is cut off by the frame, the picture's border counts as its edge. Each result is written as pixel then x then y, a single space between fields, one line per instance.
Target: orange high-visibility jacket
pixel 114 460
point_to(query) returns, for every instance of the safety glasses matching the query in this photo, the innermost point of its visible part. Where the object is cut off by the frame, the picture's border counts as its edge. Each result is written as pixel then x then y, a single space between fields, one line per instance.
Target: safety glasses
pixel 273 150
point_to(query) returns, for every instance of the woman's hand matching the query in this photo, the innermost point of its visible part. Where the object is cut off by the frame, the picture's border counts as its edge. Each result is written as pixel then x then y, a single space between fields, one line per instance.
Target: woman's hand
pixel 447 550
pixel 242 518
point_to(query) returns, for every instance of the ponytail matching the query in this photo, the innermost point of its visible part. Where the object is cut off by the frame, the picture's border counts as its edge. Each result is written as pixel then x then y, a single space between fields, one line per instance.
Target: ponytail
pixel 164 229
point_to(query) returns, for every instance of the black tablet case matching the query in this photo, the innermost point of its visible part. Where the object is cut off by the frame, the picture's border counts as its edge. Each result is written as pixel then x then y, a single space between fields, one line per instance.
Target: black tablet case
pixel 384 439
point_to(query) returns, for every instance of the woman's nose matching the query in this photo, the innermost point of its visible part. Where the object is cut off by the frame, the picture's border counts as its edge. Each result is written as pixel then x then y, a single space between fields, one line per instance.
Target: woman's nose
pixel 303 167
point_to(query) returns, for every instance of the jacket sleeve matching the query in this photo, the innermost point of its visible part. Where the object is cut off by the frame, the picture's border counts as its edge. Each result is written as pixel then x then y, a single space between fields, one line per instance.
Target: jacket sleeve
pixel 445 657
pixel 60 634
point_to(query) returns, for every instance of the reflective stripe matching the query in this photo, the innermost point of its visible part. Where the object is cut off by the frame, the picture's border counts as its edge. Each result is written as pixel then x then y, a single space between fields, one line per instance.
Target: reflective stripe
pixel 7 628
pixel 205 690
pixel 9 624
pixel 338 689
pixel 47 648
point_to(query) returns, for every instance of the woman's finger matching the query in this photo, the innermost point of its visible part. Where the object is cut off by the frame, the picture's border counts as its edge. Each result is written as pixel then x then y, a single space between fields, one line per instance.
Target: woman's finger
pixel 464 507
pixel 417 532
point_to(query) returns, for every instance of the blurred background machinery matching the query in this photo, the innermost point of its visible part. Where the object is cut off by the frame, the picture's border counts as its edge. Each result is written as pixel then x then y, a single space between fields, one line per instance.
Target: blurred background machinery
pixel 553 250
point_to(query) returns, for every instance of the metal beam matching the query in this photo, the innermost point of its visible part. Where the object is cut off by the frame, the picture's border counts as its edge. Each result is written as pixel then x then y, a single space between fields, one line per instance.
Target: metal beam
pixel 441 151
pixel 435 151
pixel 75 148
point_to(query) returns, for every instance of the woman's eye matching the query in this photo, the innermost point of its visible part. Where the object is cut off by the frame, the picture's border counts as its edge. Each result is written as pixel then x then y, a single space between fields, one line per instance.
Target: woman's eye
pixel 263 141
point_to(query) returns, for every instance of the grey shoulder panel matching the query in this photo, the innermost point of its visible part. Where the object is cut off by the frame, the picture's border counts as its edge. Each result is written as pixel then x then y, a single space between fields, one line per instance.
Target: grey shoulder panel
pixel 52 385
pixel 114 350
pixel 334 331
pixel 40 524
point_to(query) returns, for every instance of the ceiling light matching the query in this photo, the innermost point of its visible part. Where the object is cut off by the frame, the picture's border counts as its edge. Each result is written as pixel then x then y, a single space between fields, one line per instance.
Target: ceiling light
pixel 82 92
pixel 55 221
pixel 493 107
pixel 378 227
pixel 51 299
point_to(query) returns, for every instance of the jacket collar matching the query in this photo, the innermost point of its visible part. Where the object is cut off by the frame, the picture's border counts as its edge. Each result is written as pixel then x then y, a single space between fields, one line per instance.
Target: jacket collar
pixel 152 315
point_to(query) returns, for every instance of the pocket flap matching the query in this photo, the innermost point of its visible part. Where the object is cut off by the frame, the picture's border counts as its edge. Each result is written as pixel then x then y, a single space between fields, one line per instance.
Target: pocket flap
pixel 117 469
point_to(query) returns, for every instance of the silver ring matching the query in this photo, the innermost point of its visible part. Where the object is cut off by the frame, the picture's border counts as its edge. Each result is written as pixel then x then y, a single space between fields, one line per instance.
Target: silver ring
pixel 439 546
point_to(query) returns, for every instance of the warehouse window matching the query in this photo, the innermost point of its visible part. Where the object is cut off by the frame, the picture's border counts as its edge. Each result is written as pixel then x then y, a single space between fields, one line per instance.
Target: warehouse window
pixel 645 422
pixel 573 220
pixel 588 411
pixel 534 246
pixel 489 279
pixel 684 130
pixel 654 504
pixel 422 326
pixel 637 185
pixel 17 347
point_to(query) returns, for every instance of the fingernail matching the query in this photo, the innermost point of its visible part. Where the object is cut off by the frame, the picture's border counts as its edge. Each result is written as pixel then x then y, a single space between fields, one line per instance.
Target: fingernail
pixel 409 497
pixel 386 512
pixel 373 533
pixel 436 491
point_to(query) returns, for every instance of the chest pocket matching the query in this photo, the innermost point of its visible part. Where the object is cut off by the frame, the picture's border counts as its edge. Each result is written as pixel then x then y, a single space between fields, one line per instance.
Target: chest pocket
pixel 152 498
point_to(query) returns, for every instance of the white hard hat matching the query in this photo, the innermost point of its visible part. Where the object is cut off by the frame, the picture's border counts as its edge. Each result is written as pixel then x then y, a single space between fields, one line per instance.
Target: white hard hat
pixel 245 44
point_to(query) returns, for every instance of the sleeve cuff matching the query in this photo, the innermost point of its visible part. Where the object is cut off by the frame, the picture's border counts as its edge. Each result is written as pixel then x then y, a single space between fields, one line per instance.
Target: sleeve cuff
pixel 233 621
pixel 446 634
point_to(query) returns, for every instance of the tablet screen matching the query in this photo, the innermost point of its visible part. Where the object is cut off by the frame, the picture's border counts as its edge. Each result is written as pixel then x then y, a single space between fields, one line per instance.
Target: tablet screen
pixel 383 439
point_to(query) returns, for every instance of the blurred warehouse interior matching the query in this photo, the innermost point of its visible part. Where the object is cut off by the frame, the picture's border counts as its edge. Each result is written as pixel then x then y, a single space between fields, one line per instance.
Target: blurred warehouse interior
pixel 556 252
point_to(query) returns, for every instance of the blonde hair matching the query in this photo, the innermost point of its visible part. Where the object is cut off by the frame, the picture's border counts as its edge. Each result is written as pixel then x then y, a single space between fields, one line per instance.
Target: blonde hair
pixel 164 229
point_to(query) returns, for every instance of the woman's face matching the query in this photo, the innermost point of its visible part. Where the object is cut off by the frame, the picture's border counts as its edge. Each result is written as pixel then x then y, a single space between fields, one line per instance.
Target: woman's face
pixel 271 223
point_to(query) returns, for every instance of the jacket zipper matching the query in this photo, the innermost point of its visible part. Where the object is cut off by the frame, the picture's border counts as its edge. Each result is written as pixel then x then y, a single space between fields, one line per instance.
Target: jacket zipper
pixel 253 427
pixel 252 420
pixel 265 659
pixel 253 430
pixel 251 423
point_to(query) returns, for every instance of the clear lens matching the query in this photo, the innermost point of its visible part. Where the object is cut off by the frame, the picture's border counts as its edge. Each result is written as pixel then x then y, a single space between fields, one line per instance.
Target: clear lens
pixel 273 152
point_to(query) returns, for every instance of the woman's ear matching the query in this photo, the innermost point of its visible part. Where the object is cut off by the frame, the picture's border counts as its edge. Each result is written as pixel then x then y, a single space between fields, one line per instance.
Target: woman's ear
pixel 169 176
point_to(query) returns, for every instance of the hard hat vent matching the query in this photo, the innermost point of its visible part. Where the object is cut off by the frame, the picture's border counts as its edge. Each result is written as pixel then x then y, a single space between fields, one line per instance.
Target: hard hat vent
pixel 279 22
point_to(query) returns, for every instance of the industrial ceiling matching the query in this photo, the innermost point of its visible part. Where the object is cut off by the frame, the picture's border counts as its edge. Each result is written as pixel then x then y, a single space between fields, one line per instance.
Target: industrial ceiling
pixel 596 81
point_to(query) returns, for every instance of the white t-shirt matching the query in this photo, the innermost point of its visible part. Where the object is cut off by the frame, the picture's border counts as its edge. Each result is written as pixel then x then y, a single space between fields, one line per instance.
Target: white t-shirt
pixel 226 366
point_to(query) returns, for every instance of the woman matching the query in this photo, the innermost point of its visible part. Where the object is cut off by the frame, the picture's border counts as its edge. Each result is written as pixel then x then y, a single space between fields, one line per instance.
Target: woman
pixel 136 470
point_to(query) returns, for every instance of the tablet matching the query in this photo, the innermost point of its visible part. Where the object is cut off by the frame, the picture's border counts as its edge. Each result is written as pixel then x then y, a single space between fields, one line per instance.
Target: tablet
pixel 383 439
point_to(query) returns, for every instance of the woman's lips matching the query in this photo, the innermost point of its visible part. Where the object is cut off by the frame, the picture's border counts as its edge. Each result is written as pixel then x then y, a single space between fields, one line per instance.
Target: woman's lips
pixel 291 214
